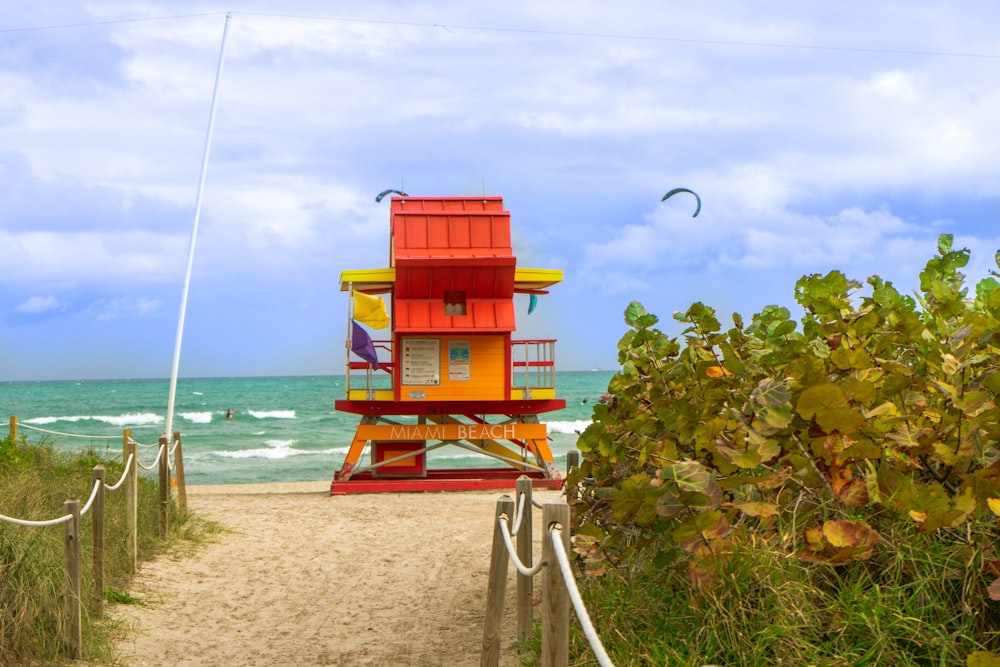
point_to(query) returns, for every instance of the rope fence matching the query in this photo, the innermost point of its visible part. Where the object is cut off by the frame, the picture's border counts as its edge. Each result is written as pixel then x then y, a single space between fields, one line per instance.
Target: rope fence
pixel 170 476
pixel 514 521
pixel 66 435
pixel 558 583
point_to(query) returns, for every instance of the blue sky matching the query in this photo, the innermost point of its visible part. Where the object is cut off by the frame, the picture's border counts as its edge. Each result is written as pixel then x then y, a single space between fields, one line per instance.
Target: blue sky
pixel 819 137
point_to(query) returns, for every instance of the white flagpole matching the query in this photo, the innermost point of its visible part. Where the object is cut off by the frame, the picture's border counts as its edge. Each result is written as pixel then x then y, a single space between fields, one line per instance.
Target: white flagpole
pixel 168 431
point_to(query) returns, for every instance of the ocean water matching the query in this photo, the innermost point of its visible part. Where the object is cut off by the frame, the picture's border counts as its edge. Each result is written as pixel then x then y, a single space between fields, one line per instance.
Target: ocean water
pixel 284 429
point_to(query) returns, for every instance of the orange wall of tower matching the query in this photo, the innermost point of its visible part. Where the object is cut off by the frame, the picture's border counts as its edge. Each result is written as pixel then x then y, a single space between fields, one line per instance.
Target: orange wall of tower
pixel 487 370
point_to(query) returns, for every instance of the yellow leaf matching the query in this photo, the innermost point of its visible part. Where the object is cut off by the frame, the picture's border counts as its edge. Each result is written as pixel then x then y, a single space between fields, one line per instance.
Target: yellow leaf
pixel 982 659
pixel 887 408
pixel 919 517
pixel 717 371
pixel 994 504
pixel 760 509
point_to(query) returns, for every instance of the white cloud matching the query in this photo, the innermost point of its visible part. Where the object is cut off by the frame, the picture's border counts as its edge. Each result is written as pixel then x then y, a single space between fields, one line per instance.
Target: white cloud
pixel 895 85
pixel 89 258
pixel 853 154
pixel 39 304
pixel 119 307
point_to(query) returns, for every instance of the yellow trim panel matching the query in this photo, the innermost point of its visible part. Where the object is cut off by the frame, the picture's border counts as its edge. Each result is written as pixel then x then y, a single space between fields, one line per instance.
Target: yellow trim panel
pixel 382 280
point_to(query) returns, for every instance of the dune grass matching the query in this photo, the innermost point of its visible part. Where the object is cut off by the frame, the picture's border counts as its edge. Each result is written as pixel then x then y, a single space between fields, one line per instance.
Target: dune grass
pixel 921 600
pixel 35 480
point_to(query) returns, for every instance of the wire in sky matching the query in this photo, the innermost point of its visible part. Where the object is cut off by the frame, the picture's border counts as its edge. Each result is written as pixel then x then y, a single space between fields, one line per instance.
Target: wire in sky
pixel 109 22
pixel 650 38
pixel 532 31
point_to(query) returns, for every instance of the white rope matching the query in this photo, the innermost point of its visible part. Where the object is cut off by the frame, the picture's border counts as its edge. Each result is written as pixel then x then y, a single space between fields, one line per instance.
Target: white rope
pixel 24 522
pixel 142 444
pixel 128 464
pixel 86 508
pixel 66 435
pixel 513 556
pixel 536 503
pixel 155 463
pixel 574 595
pixel 93 494
pixel 520 515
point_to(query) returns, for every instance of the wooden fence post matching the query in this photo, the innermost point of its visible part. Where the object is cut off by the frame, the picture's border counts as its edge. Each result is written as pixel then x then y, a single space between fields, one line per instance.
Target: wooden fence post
pixel 71 552
pixel 524 538
pixel 164 469
pixel 132 507
pixel 126 438
pixel 555 599
pixel 97 527
pixel 496 587
pixel 13 428
pixel 182 501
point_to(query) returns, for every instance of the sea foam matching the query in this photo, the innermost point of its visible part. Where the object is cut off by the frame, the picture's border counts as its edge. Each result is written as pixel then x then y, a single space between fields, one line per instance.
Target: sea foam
pixel 197 417
pixel 276 449
pixel 569 428
pixel 272 414
pixel 132 419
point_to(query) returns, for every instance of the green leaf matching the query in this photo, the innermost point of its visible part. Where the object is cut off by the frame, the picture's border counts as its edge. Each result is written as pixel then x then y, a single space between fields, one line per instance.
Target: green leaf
pixel 771 393
pixel 846 359
pixel 908 436
pixel 633 313
pixel 779 329
pixel 858 390
pixel 591 530
pixel 703 522
pixel 985 290
pixel 862 449
pixel 743 458
pixel 840 420
pixel 820 398
pixel 944 243
pixel 732 361
pixel 693 477
pixel 775 418
pixel 635 501
pixel 927 504
pixel 670 504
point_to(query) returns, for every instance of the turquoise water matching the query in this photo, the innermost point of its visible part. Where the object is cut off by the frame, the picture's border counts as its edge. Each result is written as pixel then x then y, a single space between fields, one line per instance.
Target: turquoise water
pixel 284 429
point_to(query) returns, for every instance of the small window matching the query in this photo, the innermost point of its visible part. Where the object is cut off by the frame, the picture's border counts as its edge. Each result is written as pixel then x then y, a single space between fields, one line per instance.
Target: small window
pixel 454 302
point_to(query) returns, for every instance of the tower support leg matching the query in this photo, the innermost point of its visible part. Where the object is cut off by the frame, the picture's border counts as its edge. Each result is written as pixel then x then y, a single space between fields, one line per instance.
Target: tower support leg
pixel 355 450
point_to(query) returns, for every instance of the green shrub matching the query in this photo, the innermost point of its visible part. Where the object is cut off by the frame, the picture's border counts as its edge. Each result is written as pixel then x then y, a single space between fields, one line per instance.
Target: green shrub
pixel 856 454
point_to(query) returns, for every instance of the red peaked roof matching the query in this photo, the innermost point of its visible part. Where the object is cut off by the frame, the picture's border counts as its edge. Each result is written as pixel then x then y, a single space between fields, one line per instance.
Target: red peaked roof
pixel 443 244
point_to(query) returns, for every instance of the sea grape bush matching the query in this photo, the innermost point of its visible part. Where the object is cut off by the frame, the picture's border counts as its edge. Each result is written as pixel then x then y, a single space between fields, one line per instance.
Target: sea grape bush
pixel 882 403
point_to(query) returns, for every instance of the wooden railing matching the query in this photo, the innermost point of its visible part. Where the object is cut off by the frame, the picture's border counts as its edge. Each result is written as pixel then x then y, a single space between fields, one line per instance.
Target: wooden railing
pixel 533 367
pixel 73 512
pixel 514 520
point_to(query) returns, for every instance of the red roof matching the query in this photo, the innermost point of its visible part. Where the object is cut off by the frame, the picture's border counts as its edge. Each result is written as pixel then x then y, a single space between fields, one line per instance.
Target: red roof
pixel 427 316
pixel 477 281
pixel 450 228
pixel 456 245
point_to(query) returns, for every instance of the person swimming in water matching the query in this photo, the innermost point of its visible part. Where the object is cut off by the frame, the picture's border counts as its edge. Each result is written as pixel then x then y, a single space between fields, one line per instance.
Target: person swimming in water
pixel 229 415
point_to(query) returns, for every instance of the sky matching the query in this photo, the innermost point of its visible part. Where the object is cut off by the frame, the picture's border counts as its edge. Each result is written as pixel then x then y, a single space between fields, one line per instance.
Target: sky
pixel 819 136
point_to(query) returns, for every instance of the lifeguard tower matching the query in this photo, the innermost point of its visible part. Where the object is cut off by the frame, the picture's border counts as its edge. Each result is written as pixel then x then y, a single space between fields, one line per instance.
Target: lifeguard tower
pixel 450 374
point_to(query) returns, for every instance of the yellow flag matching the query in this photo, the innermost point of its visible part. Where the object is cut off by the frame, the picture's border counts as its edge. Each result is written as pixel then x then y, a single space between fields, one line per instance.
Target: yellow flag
pixel 370 310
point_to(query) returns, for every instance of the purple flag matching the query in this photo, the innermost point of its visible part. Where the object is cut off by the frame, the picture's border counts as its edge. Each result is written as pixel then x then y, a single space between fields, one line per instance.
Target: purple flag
pixel 362 345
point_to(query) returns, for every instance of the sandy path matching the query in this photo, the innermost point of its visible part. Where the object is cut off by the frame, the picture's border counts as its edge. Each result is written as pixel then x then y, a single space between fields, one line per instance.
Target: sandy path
pixel 304 578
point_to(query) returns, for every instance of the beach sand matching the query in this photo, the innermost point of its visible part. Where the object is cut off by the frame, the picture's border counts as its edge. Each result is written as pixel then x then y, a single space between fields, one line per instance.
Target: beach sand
pixel 305 578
